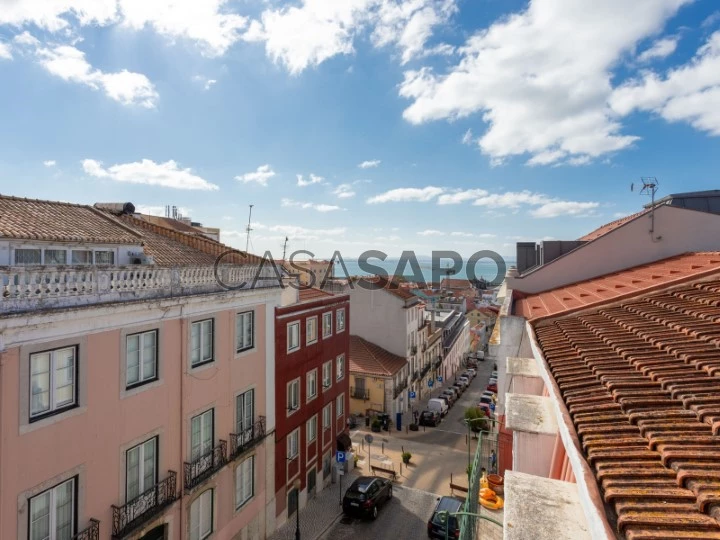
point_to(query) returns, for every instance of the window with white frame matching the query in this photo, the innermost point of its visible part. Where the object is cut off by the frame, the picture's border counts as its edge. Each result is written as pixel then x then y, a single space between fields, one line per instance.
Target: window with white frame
pixel 81 256
pixel 25 256
pixel 293 441
pixel 201 346
pixel 55 256
pixel 340 367
pixel 340 322
pixel 141 358
pixel 53 380
pixel 312 429
pixel 311 384
pixel 140 468
pixel 245 415
pixel 244 481
pixel 327 324
pixel 201 434
pixel 244 331
pixel 293 396
pixel 104 257
pixel 52 512
pixel 327 416
pixel 340 405
pixel 201 516
pixel 311 331
pixel 293 336
pixel 327 374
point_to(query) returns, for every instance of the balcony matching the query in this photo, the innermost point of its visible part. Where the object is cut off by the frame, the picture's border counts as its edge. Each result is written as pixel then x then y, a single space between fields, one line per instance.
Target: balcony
pixel 415 375
pixel 437 362
pixel 91 532
pixel 196 472
pixel 359 393
pixel 425 370
pixel 413 350
pixel 144 507
pixel 399 388
pixel 247 439
pixel 424 346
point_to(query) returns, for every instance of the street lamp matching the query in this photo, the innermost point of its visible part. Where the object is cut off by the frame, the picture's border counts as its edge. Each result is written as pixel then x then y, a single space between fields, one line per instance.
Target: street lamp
pixel 297 485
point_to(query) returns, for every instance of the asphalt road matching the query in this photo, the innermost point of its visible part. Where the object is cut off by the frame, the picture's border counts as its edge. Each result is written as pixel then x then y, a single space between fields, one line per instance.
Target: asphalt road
pixel 404 517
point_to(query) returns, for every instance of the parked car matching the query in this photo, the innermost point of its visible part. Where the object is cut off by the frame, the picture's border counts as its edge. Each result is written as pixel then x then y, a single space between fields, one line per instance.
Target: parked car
pixel 491 395
pixel 486 409
pixel 429 418
pixel 486 399
pixel 438 405
pixel 452 397
pixel 366 495
pixel 446 399
pixel 439 521
pixel 492 380
pixel 458 387
pixel 471 372
pixel 494 374
pixel 461 382
pixel 465 379
pixel 492 387
pixel 455 390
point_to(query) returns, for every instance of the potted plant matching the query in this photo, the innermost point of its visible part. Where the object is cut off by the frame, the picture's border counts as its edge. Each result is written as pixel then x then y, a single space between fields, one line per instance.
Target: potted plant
pixel 406 457
pixel 355 460
pixel 376 425
pixel 413 427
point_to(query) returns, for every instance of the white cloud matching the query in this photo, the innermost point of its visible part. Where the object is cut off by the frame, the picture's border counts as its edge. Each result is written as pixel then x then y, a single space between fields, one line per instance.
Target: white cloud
pixel 544 206
pixel 689 93
pixel 309 205
pixel 460 196
pixel 711 19
pixel 296 232
pixel 468 137
pixel 407 194
pixel 344 191
pixel 49 163
pixel 463 234
pixel 431 232
pixel 369 164
pixel 54 15
pixel 541 78
pixel 314 179
pixel 5 52
pixel 167 174
pixel 206 82
pixel 261 175
pixel 564 208
pixel 660 49
pixel 26 39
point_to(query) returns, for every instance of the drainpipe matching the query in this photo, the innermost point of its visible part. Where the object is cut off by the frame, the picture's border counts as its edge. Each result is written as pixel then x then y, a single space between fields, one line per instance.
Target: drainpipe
pixel 2 363
pixel 183 360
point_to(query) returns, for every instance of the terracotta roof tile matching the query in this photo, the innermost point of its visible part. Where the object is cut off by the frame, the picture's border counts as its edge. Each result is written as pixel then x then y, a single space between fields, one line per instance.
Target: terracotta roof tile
pixel 608 227
pixel 391 286
pixel 455 283
pixel 53 221
pixel 307 294
pixel 371 359
pixel 640 385
pixel 620 285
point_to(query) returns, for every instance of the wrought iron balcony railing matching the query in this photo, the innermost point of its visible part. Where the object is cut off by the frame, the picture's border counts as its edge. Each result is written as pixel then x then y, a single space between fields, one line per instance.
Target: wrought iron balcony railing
pixel 413 350
pixel 424 346
pixel 399 388
pixel 425 369
pixel 360 393
pixel 437 362
pixel 144 507
pixel 199 470
pixel 91 532
pixel 247 438
pixel 416 375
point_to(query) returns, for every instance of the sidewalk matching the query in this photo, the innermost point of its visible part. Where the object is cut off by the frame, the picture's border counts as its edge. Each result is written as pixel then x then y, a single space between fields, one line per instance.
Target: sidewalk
pixel 319 513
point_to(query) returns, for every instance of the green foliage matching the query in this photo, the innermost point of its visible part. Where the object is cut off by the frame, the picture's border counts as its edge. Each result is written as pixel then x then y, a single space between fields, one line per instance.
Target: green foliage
pixel 376 423
pixel 476 419
pixel 406 457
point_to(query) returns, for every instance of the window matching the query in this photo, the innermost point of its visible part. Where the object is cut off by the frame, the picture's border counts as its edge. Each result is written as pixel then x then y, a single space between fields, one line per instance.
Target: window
pixel 340 323
pixel 327 415
pixel 244 481
pixel 141 353
pixel 311 334
pixel 293 396
pixel 81 256
pixel 201 434
pixel 201 516
pixel 52 513
pixel 293 336
pixel 327 374
pixel 327 324
pixel 292 444
pixel 52 381
pixel 340 405
pixel 311 384
pixel 27 256
pixel 55 256
pixel 244 331
pixel 312 429
pixel 202 342
pixel 245 415
pixel 104 257
pixel 340 367
pixel 140 469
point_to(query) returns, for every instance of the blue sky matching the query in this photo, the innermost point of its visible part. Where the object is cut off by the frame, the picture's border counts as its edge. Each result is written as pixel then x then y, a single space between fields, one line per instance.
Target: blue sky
pixel 416 124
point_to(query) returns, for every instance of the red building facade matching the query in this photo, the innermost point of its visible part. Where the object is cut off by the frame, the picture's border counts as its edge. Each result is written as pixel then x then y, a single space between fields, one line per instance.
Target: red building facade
pixel 312 394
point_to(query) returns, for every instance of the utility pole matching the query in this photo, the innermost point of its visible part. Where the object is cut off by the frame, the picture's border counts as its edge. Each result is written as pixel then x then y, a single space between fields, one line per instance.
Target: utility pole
pixel 247 241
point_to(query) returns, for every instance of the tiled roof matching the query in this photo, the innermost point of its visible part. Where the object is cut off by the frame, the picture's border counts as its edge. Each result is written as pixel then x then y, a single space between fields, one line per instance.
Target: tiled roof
pixel 641 382
pixel 371 359
pixel 53 221
pixel 617 286
pixel 392 286
pixel 454 283
pixel 305 294
pixel 169 223
pixel 602 231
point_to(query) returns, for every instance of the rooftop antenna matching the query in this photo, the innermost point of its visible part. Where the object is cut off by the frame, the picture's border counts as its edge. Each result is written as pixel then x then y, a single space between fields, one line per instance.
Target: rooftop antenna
pixel 285 247
pixel 649 187
pixel 248 229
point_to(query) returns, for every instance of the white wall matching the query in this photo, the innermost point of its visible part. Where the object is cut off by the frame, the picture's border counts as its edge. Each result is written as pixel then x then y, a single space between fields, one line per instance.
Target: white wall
pixel 380 318
pixel 681 231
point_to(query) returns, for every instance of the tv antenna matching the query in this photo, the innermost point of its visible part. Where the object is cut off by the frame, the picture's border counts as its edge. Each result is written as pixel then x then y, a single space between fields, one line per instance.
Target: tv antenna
pixel 649 187
pixel 248 229
pixel 285 247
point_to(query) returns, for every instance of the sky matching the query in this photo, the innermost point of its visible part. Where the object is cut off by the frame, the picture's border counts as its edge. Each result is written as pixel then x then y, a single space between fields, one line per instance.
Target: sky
pixel 352 125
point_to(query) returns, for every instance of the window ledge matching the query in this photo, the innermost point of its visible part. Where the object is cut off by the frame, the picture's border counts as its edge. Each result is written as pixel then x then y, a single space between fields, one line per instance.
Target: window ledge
pixel 139 388
pixel 28 427
pixel 245 352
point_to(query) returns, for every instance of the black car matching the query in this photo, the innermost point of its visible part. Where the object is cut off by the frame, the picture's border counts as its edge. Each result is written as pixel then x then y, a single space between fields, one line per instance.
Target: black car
pixel 439 520
pixel 366 495
pixel 429 418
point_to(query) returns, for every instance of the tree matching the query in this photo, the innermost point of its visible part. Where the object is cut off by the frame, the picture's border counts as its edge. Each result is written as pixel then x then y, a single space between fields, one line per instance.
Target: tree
pixel 476 419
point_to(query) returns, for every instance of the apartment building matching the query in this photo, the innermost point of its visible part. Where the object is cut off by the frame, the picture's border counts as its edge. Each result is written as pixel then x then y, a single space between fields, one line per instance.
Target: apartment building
pixel 136 392
pixel 312 394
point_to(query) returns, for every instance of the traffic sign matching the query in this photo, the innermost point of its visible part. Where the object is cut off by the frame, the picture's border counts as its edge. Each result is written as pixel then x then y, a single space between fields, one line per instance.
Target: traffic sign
pixel 412 395
pixel 340 457
pixel 368 438
pixel 439 379
pixel 430 383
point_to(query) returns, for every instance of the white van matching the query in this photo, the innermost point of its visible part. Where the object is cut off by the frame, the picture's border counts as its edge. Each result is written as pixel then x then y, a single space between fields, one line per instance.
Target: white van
pixel 438 405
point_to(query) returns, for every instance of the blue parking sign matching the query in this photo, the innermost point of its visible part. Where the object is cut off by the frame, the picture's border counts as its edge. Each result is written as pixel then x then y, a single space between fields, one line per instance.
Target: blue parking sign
pixel 430 383
pixel 340 457
pixel 439 379
pixel 412 395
